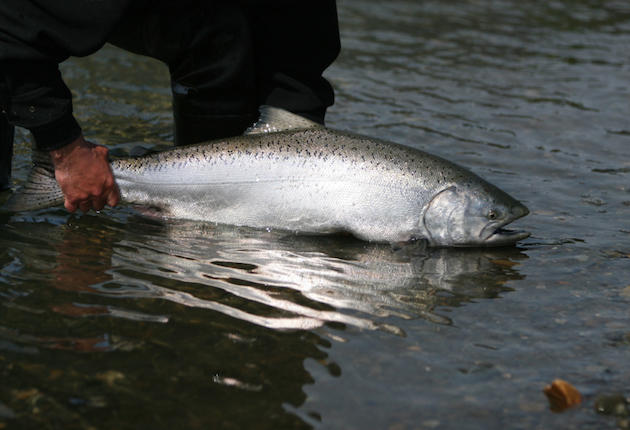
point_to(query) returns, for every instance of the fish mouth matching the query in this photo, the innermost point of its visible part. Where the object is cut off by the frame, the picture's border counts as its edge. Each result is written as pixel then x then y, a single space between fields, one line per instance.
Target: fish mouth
pixel 504 236
pixel 499 236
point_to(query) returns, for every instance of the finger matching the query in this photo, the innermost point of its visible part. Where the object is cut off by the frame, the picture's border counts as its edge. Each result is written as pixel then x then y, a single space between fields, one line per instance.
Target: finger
pixel 98 204
pixel 113 197
pixel 85 206
pixel 70 207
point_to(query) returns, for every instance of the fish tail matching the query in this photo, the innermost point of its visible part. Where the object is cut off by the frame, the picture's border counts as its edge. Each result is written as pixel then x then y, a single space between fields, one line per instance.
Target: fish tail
pixel 41 189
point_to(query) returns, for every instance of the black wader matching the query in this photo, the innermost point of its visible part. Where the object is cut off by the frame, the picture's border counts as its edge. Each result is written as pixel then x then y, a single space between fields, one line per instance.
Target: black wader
pixel 228 58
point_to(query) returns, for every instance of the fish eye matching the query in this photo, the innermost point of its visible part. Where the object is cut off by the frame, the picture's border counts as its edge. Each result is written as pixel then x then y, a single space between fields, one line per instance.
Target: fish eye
pixel 493 214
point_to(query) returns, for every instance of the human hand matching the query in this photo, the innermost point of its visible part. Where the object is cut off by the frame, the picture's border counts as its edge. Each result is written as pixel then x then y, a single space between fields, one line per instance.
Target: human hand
pixel 83 173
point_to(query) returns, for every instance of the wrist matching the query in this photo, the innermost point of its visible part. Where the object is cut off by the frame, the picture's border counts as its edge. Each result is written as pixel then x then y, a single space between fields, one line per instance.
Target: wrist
pixel 59 155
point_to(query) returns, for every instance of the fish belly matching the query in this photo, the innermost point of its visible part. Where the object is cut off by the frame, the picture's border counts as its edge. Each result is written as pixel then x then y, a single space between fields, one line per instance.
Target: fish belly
pixel 370 212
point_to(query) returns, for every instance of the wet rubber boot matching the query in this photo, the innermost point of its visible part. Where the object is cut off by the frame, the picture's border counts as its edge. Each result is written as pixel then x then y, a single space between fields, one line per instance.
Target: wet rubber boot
pixel 6 152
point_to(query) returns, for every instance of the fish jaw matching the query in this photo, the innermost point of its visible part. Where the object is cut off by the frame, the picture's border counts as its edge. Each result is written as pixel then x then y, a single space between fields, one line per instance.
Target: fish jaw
pixel 505 237
pixel 496 235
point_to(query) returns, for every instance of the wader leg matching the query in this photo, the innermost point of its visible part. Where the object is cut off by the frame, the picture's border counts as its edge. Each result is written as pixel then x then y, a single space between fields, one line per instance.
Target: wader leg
pixel 207 47
pixel 295 41
pixel 244 56
pixel 6 152
pixel 228 58
pixel 214 84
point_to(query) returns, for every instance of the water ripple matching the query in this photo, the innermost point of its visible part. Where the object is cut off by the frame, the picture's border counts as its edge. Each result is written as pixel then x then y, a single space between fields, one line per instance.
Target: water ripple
pixel 289 282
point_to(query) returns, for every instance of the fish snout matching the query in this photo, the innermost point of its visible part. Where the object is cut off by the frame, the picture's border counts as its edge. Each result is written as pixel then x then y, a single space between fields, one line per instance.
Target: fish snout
pixel 519 210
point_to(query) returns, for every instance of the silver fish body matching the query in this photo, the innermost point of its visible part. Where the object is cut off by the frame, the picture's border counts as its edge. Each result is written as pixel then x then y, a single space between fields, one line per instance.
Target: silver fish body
pixel 310 179
pixel 319 180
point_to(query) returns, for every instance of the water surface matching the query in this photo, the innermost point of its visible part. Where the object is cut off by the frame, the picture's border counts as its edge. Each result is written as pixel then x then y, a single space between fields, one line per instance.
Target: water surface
pixel 112 320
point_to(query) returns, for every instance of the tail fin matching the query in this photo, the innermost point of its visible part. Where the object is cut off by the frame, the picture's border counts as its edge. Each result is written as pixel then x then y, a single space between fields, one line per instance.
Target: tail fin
pixel 41 189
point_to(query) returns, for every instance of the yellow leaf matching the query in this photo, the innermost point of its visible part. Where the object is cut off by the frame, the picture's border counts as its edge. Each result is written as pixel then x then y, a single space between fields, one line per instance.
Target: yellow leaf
pixel 562 395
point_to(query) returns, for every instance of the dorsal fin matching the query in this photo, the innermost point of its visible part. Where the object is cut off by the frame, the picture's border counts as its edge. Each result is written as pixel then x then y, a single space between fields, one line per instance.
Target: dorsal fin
pixel 273 119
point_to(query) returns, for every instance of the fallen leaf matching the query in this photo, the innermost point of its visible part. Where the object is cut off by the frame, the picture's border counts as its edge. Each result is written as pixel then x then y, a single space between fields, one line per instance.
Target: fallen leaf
pixel 562 395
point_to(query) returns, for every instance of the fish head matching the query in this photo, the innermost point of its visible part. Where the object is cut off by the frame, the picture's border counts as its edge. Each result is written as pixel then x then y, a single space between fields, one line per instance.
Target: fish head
pixel 467 216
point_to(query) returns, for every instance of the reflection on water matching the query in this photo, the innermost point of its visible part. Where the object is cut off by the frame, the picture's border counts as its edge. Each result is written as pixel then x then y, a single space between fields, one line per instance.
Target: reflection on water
pixel 272 279
pixel 282 281
pixel 132 290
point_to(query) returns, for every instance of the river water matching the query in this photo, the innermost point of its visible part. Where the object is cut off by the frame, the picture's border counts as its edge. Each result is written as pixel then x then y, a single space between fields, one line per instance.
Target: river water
pixel 113 320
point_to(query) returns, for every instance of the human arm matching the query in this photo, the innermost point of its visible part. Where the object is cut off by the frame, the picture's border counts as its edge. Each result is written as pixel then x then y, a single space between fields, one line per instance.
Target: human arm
pixel 35 36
